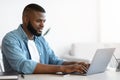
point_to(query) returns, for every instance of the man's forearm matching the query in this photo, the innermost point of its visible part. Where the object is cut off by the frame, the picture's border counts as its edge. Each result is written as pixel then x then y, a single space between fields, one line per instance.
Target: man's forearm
pixel 69 63
pixel 44 68
pixel 67 67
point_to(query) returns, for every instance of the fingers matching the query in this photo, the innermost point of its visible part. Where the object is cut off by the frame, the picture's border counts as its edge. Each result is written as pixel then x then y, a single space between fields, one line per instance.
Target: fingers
pixel 86 65
pixel 82 68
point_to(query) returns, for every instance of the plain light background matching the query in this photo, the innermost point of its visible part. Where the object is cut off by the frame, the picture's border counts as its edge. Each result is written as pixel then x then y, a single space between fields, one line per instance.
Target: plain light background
pixel 71 21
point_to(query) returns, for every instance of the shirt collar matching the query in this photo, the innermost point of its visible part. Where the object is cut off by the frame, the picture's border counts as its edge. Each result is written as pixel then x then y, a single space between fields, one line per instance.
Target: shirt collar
pixel 23 34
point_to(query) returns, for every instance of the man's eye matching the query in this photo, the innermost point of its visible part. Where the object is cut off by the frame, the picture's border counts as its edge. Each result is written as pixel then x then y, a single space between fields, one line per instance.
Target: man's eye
pixel 44 21
pixel 41 21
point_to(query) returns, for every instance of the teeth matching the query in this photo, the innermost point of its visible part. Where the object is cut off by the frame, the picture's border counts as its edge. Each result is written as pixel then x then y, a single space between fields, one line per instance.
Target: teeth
pixel 40 29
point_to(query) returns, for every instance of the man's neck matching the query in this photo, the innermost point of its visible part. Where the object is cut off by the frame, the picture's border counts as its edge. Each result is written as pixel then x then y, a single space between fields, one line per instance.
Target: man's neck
pixel 29 35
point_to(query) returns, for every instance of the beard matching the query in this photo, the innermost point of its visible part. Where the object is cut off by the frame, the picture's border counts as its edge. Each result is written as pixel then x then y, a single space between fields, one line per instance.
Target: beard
pixel 32 30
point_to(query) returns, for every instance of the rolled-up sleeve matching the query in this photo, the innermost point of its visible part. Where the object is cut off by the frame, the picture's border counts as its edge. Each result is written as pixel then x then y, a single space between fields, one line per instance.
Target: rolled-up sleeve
pixel 13 53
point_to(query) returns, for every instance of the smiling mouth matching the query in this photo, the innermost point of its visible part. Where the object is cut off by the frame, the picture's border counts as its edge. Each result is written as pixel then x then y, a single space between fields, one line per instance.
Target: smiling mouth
pixel 40 30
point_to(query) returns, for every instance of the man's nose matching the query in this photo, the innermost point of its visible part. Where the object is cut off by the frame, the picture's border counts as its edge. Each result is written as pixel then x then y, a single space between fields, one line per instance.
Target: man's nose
pixel 42 23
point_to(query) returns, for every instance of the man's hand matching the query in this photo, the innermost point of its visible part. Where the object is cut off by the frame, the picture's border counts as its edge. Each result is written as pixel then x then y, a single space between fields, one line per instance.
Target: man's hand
pixel 84 64
pixel 80 67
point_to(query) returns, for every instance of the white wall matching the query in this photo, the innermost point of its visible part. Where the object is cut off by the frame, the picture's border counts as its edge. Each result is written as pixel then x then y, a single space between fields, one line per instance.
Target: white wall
pixel 70 20
pixel 110 21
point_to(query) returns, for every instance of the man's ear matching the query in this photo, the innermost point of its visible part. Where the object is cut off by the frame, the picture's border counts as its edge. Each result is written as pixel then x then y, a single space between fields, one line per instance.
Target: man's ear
pixel 25 19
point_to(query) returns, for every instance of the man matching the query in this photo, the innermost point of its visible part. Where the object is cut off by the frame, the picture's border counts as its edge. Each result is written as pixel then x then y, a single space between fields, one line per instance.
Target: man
pixel 26 51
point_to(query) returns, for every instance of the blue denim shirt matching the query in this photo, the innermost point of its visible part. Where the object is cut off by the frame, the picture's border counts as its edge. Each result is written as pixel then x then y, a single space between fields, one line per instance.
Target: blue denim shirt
pixel 16 56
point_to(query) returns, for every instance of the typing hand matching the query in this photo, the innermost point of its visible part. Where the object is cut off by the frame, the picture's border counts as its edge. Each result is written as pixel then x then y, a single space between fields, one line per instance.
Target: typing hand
pixel 84 66
pixel 79 67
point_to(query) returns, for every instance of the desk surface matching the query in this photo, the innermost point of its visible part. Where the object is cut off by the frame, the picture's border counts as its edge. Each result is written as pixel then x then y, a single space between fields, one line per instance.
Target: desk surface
pixel 108 75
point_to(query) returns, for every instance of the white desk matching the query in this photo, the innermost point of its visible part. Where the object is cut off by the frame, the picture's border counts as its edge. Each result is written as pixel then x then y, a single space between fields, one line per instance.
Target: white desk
pixel 108 75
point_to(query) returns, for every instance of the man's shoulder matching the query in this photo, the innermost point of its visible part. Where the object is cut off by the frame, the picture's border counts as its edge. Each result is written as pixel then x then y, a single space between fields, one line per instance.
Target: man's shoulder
pixel 11 35
pixel 14 33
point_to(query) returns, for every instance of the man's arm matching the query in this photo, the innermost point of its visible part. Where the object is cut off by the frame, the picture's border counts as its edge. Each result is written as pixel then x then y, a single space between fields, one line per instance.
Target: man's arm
pixel 69 63
pixel 45 68
pixel 86 64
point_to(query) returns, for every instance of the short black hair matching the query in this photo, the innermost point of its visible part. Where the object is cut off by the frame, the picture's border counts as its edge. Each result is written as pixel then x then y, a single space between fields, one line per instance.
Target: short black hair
pixel 33 7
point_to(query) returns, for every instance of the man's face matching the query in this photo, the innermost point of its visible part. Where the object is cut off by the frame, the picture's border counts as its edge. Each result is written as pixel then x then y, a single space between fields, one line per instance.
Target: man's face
pixel 36 23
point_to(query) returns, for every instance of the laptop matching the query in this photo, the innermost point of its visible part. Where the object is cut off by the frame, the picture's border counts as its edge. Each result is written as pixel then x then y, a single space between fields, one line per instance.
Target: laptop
pixel 100 61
